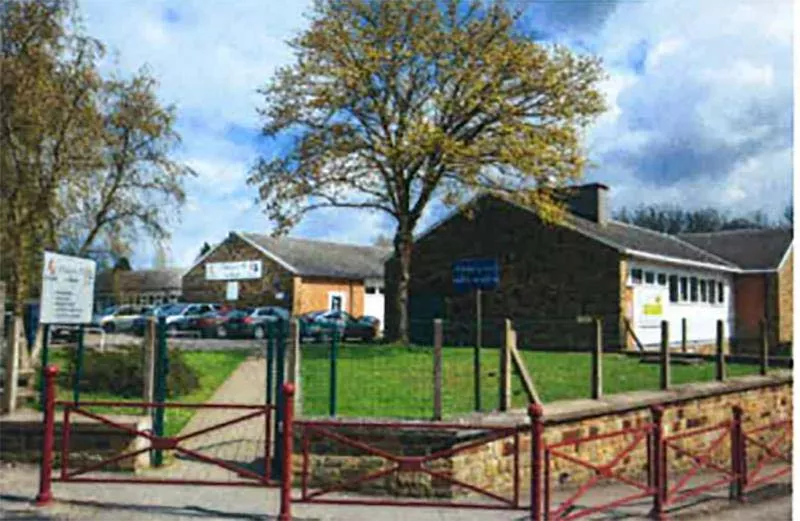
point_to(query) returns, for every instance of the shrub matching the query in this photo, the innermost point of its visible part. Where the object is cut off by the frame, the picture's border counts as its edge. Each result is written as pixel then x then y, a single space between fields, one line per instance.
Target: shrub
pixel 120 372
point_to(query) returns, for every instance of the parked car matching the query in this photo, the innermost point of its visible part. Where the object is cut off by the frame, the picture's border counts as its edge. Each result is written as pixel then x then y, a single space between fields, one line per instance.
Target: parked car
pixel 253 322
pixel 140 322
pixel 320 325
pixel 210 322
pixel 119 318
pixel 180 317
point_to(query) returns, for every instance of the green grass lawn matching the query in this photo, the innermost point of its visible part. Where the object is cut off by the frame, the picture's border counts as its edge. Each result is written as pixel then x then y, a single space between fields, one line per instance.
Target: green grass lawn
pixel 395 381
pixel 212 367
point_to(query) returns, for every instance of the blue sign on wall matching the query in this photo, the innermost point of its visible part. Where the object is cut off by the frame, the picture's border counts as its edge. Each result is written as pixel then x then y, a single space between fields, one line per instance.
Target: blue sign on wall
pixel 471 274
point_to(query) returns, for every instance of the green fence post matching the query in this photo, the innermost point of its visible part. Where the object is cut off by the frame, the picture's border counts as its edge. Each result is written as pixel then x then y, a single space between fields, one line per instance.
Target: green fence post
pixel 45 361
pixel 270 359
pixel 161 387
pixel 280 357
pixel 76 384
pixel 334 358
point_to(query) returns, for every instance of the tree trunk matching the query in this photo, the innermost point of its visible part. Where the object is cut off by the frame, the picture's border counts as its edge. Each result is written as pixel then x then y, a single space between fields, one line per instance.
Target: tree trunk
pixel 403 243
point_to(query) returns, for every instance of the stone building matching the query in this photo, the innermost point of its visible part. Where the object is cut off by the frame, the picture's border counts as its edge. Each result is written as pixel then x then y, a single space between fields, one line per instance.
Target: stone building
pixel 297 274
pixel 142 287
pixel 591 265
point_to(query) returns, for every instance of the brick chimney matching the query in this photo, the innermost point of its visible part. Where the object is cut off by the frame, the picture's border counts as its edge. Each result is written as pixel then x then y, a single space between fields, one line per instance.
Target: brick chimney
pixel 589 201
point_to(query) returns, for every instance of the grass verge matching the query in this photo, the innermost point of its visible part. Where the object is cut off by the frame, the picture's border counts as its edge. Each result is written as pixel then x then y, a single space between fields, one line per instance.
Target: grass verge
pixel 397 381
pixel 212 367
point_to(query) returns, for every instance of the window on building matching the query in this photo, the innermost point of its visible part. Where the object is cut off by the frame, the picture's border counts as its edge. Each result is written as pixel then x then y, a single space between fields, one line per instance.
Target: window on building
pixel 693 289
pixel 649 277
pixel 684 289
pixel 673 288
pixel 703 292
pixel 662 279
pixel 636 276
pixel 712 291
pixel 720 292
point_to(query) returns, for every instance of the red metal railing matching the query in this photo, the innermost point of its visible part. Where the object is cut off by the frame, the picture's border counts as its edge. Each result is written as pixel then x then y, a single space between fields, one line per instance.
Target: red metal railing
pixel 641 437
pixel 69 474
pixel 740 475
pixel 700 457
pixel 753 477
pixel 398 463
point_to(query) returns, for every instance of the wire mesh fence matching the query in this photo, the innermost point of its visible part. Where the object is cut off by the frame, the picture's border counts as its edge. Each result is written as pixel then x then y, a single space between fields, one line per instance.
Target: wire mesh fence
pixel 347 378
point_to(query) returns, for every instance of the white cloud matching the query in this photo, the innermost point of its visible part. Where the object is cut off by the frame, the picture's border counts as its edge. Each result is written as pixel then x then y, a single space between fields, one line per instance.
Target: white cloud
pixel 705 117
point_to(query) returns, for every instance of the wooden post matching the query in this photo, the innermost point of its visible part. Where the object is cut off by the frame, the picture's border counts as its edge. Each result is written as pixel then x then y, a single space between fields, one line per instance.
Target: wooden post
pixel 11 376
pixel 665 369
pixel 505 367
pixel 149 357
pixel 721 372
pixel 437 368
pixel 763 349
pixel 597 360
pixel 293 362
pixel 683 335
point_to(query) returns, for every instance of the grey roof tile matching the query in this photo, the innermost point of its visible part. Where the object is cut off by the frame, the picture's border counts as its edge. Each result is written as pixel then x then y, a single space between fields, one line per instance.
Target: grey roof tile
pixel 140 280
pixel 750 249
pixel 325 259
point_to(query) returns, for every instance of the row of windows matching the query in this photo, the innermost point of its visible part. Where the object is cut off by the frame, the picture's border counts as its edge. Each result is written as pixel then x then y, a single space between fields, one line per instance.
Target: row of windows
pixel 683 289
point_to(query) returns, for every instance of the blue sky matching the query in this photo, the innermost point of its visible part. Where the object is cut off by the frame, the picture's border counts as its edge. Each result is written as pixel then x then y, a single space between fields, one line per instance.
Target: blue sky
pixel 699 95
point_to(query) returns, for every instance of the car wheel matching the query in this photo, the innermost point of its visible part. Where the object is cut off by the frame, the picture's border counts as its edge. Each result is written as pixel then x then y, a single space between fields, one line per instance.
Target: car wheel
pixel 221 332
pixel 259 333
pixel 108 327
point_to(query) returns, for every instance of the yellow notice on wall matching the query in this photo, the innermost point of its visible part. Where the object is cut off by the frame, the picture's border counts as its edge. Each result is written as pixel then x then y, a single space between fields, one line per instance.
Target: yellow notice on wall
pixel 654 308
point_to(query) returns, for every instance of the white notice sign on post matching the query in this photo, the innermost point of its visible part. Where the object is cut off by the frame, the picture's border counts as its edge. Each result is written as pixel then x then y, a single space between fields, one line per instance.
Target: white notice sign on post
pixel 67 289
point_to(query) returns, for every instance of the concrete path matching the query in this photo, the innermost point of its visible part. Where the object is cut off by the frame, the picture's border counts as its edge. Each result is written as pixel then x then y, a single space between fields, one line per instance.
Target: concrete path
pixel 80 502
pixel 241 444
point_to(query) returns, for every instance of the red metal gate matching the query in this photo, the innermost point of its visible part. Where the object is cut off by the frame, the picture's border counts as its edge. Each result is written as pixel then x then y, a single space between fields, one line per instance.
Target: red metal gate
pixel 70 474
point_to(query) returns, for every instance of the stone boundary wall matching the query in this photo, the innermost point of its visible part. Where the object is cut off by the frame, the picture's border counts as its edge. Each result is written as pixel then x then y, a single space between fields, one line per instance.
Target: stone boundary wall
pixel 90 441
pixel 490 466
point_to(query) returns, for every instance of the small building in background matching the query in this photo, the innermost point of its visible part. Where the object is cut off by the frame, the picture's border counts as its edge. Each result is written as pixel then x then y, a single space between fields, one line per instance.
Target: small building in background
pixel 141 287
pixel 590 265
pixel 300 275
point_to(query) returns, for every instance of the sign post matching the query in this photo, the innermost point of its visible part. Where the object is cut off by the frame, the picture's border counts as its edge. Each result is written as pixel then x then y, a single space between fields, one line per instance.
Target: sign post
pixel 67 298
pixel 477 275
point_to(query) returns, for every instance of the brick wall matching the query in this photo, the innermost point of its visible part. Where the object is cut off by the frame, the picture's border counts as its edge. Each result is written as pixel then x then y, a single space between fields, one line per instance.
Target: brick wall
pixel 549 275
pixel 256 292
pixel 313 294
pixel 785 303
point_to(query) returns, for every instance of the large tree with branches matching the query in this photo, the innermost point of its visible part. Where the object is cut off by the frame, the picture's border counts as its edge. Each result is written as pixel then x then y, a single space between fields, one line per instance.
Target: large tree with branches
pixel 392 105
pixel 86 161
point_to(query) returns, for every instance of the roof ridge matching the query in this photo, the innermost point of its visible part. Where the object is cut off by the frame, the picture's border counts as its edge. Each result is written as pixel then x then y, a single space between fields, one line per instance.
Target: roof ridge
pixel 317 241
pixel 676 239
pixel 738 230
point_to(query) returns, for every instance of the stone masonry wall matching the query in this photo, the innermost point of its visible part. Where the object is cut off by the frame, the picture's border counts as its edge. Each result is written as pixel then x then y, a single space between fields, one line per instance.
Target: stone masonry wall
pixel 90 441
pixel 548 276
pixel 256 292
pixel 490 466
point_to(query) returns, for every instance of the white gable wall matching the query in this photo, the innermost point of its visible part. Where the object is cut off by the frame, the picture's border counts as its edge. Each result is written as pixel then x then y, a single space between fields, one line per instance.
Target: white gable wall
pixel 652 303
